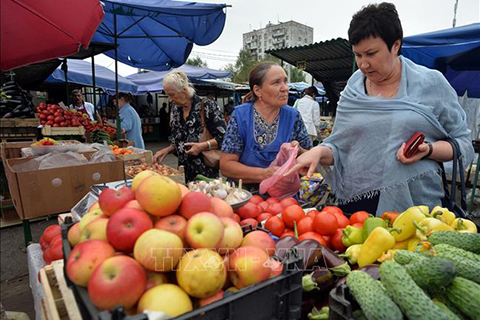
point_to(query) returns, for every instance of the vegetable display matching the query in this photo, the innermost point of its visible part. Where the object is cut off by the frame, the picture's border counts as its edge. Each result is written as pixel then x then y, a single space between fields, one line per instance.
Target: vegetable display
pixel 15 102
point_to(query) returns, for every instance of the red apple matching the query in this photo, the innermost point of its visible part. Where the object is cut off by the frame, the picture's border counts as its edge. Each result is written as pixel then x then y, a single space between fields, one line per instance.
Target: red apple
pixel 193 203
pixel 249 221
pixel 261 240
pixel 205 301
pixel 232 236
pixel 85 257
pixel 204 230
pixel 133 204
pixel 117 281
pixel 125 226
pixel 111 200
pixel 221 208
pixel 174 223
pixel 248 265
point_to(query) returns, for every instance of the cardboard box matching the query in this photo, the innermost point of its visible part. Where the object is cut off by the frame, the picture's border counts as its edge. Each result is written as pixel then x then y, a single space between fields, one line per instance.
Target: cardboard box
pixel 43 192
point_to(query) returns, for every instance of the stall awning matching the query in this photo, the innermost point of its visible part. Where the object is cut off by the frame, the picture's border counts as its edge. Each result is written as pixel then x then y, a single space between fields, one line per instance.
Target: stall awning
pixel 80 72
pixel 158 34
pixel 152 81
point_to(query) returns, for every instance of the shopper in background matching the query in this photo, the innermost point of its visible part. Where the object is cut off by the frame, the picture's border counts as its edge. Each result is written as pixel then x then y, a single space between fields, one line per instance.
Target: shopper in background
pixel 258 128
pixel 79 104
pixel 186 126
pixel 384 103
pixel 310 111
pixel 130 121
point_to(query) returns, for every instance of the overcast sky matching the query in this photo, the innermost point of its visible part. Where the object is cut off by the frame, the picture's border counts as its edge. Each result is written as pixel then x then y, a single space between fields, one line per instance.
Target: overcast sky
pixel 328 18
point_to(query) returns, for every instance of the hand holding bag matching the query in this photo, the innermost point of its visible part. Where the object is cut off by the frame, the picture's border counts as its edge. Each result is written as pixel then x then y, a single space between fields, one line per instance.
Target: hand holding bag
pixel 211 158
pixel 449 200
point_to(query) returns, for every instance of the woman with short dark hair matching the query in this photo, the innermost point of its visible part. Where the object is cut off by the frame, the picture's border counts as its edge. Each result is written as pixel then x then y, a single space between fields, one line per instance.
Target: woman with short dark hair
pixel 384 103
pixel 258 128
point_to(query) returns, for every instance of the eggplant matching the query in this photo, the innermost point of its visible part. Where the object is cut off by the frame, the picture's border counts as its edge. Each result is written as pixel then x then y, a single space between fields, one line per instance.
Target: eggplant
pixel 8 115
pixel 310 251
pixel 373 270
pixel 320 279
pixel 337 265
pixel 283 245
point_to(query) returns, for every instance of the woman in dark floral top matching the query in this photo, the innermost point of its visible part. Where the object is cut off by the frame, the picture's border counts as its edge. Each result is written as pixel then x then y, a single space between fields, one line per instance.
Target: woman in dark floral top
pixel 186 127
pixel 257 129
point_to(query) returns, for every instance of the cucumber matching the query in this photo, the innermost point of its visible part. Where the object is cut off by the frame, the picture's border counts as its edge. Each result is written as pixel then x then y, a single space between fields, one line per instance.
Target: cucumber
pixel 371 297
pixel 465 295
pixel 466 268
pixel 460 252
pixel 411 299
pixel 404 257
pixel 462 240
pixel 446 311
pixel 432 274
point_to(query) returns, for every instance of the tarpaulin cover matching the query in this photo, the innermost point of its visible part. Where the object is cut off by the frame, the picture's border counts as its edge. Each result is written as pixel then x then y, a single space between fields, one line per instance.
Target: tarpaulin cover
pixel 455 52
pixel 152 81
pixel 80 72
pixel 35 31
pixel 159 34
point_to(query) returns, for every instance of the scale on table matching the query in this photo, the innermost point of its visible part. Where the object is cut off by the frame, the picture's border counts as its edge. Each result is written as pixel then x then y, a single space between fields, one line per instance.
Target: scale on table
pixel 81 208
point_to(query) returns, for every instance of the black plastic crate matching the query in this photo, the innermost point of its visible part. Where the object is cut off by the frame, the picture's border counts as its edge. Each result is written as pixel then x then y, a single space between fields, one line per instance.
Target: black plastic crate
pixel 341 303
pixel 279 298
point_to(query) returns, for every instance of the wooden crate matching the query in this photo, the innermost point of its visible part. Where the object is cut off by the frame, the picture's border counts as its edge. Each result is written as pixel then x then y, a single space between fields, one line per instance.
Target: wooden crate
pixel 146 157
pixel 20 123
pixel 63 131
pixel 58 302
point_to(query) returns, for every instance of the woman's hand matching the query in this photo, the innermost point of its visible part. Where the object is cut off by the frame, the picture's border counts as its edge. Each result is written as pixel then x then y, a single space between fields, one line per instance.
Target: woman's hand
pixel 270 171
pixel 196 148
pixel 307 163
pixel 295 143
pixel 422 152
pixel 160 155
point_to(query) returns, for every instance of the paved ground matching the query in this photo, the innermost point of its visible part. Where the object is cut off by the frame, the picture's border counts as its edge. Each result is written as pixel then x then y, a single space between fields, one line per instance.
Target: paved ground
pixel 15 293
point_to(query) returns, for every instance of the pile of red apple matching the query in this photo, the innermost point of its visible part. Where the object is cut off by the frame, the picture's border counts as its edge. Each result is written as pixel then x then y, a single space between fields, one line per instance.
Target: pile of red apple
pixel 159 247
pixel 51 244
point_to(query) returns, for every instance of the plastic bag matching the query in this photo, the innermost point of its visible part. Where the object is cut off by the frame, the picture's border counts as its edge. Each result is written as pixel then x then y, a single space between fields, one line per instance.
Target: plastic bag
pixel 277 185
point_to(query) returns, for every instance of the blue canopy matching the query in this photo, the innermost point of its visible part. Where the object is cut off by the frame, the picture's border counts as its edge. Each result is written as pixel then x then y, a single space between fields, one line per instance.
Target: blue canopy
pixel 158 34
pixel 451 51
pixel 152 81
pixel 80 72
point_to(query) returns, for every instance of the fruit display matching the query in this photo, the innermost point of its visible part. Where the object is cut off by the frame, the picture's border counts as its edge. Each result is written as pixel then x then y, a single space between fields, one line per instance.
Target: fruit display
pixel 158 168
pixel 184 246
pixel 45 142
pixel 15 102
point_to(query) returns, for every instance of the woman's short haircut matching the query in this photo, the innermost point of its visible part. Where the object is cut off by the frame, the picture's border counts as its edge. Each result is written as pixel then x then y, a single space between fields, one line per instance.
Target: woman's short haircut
pixel 257 76
pixel 376 20
pixel 311 91
pixel 126 96
pixel 179 80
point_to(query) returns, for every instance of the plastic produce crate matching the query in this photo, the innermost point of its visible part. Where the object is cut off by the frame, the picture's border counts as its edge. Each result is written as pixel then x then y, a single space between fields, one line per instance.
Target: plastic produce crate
pixel 279 298
pixel 341 303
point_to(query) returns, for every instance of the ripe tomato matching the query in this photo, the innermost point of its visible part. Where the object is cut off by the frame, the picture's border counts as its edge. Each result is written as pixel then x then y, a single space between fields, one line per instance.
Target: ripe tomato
pixel 314 236
pixel 256 199
pixel 342 220
pixel 274 208
pixel 51 232
pixel 275 225
pixel 288 233
pixel 312 213
pixel 359 217
pixel 56 251
pixel 272 200
pixel 292 214
pixel 327 240
pixel 333 209
pixel 336 240
pixel 305 225
pixel 325 223
pixel 358 225
pixel 249 221
pixel 263 216
pixel 263 205
pixel 249 210
pixel 288 202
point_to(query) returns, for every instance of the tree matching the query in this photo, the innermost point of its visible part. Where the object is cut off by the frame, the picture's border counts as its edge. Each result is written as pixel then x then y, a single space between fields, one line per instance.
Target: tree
pixel 296 75
pixel 197 62
pixel 242 67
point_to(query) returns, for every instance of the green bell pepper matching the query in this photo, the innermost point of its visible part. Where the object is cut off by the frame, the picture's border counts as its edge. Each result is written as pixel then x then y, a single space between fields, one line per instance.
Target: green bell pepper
pixel 372 223
pixel 352 235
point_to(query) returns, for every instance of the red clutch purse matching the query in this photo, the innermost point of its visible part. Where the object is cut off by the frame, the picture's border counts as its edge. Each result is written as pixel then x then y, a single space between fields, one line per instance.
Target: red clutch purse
pixel 412 144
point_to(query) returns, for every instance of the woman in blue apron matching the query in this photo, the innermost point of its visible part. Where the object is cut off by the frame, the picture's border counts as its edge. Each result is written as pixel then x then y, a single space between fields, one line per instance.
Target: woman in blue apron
pixel 258 128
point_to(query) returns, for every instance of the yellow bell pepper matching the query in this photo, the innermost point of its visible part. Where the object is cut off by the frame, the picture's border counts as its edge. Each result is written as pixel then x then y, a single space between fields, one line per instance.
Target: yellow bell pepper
pixel 402 245
pixel 464 225
pixel 413 243
pixel 429 225
pixel 405 223
pixel 379 241
pixel 443 214
pixel 352 253
pixel 425 210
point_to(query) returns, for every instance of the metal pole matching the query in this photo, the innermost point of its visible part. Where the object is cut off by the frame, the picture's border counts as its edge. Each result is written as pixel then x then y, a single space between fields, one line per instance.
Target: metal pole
pixel 65 71
pixel 115 38
pixel 93 81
